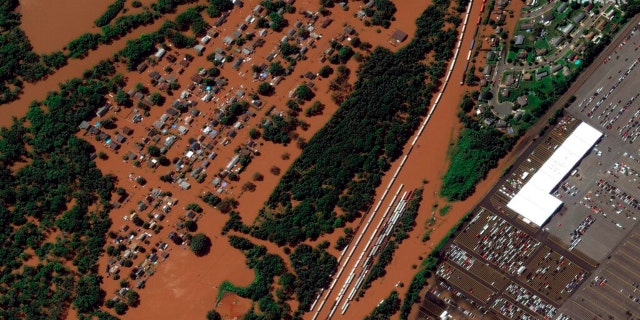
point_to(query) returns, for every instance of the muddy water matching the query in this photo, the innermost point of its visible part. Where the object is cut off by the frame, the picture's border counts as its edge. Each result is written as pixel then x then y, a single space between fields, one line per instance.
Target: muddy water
pixel 51 25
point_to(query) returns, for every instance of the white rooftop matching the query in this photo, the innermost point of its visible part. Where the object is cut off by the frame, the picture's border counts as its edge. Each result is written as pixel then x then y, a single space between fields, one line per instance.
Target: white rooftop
pixel 534 201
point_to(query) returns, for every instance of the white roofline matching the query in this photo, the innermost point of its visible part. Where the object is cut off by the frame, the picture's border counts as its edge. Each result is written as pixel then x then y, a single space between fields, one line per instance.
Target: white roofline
pixel 534 201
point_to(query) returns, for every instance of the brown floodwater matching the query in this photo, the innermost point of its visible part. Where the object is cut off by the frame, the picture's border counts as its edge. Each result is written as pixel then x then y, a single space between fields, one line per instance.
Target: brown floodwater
pixel 51 25
pixel 171 291
pixel 184 286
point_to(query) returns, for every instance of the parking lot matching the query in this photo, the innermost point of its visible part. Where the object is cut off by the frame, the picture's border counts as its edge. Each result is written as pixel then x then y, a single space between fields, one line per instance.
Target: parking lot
pixel 614 288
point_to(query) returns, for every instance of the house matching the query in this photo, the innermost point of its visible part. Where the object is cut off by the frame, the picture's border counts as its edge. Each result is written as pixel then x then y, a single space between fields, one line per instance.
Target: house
pixel 84 125
pixel 113 145
pixel 519 40
pixel 141 67
pixel 236 64
pixel 541 51
pixel 220 21
pixel 184 185
pixel 232 133
pixel 491 55
pixel 120 138
pixel 196 78
pixel 160 53
pixel 233 162
pixel 227 40
pixel 199 49
pixel 541 75
pixel 547 18
pixel 183 130
pixel 526 26
pixel 578 17
pixel 567 29
pixel 216 181
pixel 509 81
pixel 556 41
pixel 155 75
pixel 501 4
pixel 522 54
pixel 349 30
pixel 562 8
pixel 399 36
pixel 259 42
pixel 205 39
pixel 487 70
pixel 236 34
pixel 522 101
pixel 258 9
pixel 556 67
pixel 172 112
pixel 326 22
pixel 196 172
pixel 102 111
pixel 171 58
pixel 168 142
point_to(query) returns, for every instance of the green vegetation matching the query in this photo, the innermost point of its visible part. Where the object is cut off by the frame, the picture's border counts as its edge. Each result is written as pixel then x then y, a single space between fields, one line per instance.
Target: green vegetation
pixel 217 7
pixel 386 309
pixel 381 13
pixel 314 268
pixel 266 89
pixel 19 62
pixel 112 11
pixel 58 190
pixel 200 244
pixel 279 130
pixel 267 266
pixel 334 170
pixel 400 232
pixel 477 151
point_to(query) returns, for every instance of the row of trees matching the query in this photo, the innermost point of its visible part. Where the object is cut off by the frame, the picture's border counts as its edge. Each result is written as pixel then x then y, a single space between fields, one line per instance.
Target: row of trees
pixel 112 11
pixel 343 163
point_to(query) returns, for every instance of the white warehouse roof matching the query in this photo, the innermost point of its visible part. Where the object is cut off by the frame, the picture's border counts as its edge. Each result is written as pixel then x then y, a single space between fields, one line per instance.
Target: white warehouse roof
pixel 534 201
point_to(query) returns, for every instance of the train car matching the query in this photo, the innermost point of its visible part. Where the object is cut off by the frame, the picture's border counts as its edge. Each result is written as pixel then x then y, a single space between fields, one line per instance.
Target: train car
pixel 473 42
pixel 479 19
pixel 482 8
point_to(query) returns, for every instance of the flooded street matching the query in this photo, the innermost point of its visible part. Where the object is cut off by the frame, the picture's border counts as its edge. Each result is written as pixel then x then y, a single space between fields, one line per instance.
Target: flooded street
pixel 185 286
pixel 74 69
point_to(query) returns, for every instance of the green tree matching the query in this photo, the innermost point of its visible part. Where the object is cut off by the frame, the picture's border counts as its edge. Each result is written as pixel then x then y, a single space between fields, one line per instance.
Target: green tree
pixel 325 71
pixel 132 298
pixel 304 93
pixel 157 98
pixel 213 315
pixel 265 89
pixel 200 244
pixel 154 151
pixel 122 98
pixel 276 69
